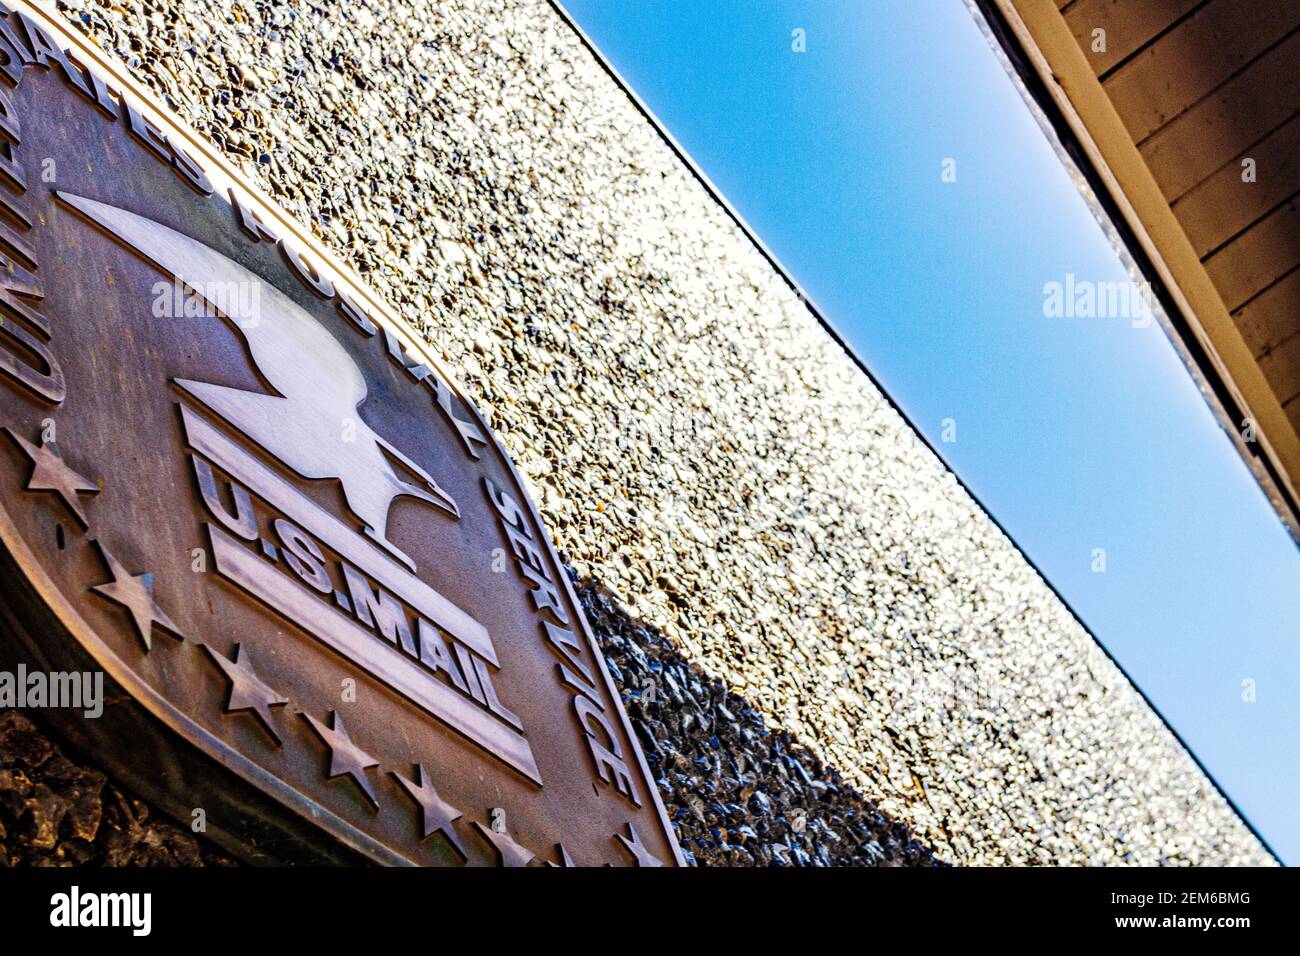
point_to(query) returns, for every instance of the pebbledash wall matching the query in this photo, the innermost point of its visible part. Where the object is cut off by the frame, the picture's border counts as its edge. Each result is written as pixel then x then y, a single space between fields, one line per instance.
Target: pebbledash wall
pixel 830 653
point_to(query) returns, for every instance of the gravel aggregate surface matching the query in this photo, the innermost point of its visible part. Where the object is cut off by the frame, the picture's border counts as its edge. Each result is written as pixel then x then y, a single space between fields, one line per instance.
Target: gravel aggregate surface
pixel 829 651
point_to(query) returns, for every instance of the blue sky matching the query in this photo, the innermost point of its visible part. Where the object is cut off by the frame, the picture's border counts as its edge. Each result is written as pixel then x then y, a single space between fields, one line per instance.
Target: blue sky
pixel 1076 434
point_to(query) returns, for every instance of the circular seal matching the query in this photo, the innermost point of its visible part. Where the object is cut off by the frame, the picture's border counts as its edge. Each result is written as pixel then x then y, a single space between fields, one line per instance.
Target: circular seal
pixel 327 622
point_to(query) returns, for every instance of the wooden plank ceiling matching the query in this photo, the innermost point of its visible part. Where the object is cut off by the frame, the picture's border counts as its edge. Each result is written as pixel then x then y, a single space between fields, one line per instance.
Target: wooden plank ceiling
pixel 1203 90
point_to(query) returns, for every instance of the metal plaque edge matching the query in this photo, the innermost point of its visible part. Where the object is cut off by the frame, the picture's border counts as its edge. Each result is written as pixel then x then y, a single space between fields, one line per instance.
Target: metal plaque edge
pixel 225 175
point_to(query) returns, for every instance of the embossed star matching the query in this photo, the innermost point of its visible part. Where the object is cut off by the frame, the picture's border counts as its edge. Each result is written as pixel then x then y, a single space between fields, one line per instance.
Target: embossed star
pixel 51 473
pixel 135 593
pixel 345 756
pixel 436 814
pixel 247 691
pixel 634 846
pixel 509 852
pixel 566 861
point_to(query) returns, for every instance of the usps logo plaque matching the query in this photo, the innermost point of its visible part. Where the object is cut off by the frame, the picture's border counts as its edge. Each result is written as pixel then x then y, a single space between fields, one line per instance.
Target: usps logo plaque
pixel 330 618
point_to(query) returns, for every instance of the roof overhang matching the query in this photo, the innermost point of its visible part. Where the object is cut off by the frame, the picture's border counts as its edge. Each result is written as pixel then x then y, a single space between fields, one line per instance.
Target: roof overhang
pixel 1107 128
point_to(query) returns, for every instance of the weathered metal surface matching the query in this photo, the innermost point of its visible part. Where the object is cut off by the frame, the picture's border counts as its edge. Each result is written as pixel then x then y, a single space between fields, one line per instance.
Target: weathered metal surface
pixel 333 616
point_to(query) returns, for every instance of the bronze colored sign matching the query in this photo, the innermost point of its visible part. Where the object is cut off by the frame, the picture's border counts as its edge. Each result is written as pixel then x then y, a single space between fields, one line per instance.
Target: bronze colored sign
pixel 335 624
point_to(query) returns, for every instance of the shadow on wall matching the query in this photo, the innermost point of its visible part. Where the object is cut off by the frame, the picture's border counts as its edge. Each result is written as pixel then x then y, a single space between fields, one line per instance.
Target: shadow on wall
pixel 58 812
pixel 739 793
